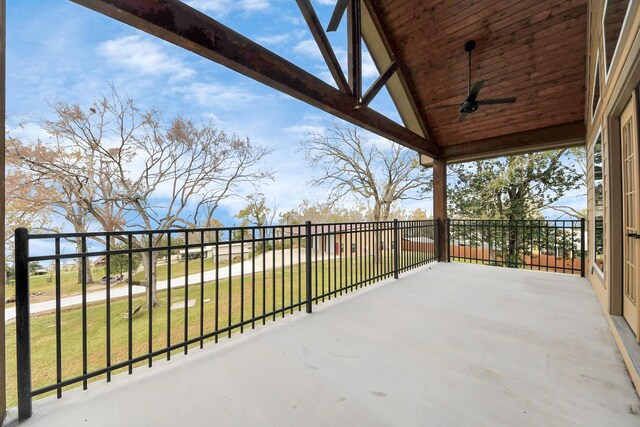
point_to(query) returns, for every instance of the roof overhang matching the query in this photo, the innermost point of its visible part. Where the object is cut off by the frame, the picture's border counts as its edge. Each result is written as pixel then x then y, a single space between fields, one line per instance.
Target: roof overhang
pixel 529 49
pixel 518 39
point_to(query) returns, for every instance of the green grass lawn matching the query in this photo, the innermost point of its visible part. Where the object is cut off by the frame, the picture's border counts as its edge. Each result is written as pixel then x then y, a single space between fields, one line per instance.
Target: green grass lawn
pixel 237 299
pixel 178 269
pixel 43 286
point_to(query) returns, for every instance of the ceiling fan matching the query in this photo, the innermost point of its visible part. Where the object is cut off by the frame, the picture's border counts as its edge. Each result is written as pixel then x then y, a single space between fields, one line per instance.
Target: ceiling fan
pixel 471 103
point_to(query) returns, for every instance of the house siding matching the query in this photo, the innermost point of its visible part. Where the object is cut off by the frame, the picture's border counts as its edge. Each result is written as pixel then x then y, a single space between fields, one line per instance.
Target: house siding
pixel 617 85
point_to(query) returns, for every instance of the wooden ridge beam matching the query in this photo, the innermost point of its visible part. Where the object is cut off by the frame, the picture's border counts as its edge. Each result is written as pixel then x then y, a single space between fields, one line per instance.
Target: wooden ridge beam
pixel 354 48
pixel 543 139
pixel 184 26
pixel 379 83
pixel 323 44
pixel 403 72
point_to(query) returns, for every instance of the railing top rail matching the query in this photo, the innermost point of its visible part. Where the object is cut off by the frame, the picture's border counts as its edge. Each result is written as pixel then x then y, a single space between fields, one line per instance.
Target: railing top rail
pixel 142 232
pixel 514 220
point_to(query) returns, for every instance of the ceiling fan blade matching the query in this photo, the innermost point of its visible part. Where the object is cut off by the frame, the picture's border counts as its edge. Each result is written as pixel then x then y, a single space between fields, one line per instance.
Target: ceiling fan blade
pixel 440 107
pixel 496 101
pixel 475 89
pixel 338 12
pixel 462 117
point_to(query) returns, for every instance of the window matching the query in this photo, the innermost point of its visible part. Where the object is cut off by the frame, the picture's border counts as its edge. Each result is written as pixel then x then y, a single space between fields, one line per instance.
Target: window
pixel 613 19
pixel 595 99
pixel 598 204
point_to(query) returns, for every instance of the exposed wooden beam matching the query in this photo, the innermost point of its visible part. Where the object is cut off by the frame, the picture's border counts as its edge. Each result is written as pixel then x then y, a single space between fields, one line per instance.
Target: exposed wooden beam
pixel 188 28
pixel 323 44
pixel 549 138
pixel 354 48
pixel 408 86
pixel 337 14
pixel 379 83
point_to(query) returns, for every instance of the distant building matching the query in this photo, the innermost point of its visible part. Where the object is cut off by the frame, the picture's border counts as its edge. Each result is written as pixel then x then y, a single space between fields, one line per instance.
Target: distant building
pixel 346 239
pixel 101 261
pixel 225 251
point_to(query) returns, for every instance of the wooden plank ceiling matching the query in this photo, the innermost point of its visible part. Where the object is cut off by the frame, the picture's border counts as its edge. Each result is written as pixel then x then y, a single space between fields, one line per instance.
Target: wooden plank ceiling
pixel 533 50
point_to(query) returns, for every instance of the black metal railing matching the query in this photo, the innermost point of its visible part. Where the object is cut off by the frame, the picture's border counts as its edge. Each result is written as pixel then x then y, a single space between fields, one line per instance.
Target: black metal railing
pixel 165 291
pixel 544 245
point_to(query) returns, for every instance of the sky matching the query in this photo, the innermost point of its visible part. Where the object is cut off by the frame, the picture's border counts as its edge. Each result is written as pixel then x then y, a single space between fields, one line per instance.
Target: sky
pixel 60 51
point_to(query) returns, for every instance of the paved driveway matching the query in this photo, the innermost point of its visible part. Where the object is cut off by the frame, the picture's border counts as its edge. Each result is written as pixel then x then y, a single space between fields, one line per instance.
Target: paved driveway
pixel 281 259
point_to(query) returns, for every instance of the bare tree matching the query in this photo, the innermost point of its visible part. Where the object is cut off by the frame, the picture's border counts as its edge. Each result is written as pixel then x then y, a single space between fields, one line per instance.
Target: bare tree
pixel 578 157
pixel 27 200
pixel 132 170
pixel 59 175
pixel 350 165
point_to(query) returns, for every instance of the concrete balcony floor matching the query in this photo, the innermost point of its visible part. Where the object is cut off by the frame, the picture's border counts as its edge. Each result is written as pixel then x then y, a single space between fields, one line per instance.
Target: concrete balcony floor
pixel 450 344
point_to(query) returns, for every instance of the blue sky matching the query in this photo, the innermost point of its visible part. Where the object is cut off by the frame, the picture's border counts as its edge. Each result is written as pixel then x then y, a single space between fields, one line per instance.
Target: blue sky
pixel 60 51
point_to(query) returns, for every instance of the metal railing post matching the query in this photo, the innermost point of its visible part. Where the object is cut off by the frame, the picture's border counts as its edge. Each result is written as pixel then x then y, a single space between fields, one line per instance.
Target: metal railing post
pixel 23 329
pixel 396 253
pixel 308 266
pixel 582 257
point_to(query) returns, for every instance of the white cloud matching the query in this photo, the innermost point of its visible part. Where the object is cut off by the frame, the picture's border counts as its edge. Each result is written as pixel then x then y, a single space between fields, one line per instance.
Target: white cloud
pixel 309 48
pixel 223 7
pixel 304 130
pixel 254 4
pixel 309 123
pixel 288 189
pixel 144 56
pixel 24 130
pixel 218 95
pixel 327 2
pixel 277 39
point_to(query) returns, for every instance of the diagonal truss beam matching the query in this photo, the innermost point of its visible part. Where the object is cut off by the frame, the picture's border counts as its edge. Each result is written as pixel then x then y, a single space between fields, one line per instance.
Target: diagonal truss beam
pixel 323 44
pixel 190 29
pixel 338 13
pixel 379 84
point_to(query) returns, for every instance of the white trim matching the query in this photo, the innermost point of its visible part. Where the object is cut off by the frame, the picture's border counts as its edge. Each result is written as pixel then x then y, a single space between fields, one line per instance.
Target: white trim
pixel 591 250
pixel 599 272
pixel 604 44
pixel 593 89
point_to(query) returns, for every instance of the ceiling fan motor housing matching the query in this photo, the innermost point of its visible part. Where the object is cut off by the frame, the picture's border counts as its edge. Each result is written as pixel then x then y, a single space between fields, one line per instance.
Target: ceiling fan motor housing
pixel 470 45
pixel 468 107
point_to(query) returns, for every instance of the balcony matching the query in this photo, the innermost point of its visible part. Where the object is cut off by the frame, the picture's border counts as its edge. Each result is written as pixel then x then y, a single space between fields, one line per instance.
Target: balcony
pixel 393 337
pixel 446 344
